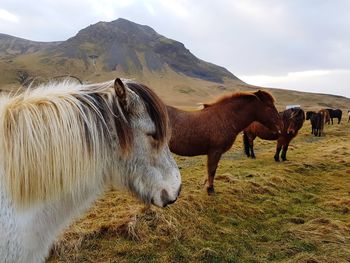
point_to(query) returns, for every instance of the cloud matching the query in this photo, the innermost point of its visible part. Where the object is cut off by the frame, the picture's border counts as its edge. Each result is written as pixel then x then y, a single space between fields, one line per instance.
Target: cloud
pixel 319 81
pixel 8 17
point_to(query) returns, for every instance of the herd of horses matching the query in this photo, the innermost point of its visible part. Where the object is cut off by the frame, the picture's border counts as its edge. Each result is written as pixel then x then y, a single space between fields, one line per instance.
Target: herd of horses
pixel 322 117
pixel 63 144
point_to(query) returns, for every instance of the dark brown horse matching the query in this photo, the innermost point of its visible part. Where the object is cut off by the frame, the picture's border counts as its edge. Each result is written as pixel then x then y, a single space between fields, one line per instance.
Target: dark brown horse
pixel 317 120
pixel 337 113
pixel 212 130
pixel 293 120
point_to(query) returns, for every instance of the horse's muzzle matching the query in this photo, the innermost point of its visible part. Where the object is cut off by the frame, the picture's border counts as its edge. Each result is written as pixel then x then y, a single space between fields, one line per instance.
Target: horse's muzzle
pixel 166 200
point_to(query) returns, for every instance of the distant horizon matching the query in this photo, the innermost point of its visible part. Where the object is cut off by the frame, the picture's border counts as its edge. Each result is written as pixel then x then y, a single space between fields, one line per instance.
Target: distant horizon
pixel 276 44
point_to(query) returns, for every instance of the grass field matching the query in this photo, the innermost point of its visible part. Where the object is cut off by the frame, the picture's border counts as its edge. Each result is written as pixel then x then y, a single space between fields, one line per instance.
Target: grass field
pixel 297 211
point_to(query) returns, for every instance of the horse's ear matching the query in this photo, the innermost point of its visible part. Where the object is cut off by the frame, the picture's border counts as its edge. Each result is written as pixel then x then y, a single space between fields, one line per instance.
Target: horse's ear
pixel 259 94
pixel 120 90
pixel 264 96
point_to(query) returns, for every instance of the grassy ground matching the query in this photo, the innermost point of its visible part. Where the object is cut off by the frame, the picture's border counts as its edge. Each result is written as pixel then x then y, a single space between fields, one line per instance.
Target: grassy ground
pixel 297 211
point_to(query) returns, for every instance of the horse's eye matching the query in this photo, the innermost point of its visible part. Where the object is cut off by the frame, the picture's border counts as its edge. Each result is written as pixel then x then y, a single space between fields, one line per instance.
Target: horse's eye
pixel 153 135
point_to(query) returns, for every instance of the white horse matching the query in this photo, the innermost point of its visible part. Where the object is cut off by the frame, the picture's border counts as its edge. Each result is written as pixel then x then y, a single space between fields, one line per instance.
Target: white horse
pixel 63 144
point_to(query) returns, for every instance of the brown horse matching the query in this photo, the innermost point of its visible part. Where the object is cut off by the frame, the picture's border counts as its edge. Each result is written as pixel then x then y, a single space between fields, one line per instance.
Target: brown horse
pixel 326 116
pixel 293 120
pixel 212 130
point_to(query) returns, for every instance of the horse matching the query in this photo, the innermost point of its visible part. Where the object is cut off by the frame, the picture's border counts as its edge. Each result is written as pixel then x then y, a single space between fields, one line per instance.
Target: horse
pixel 293 120
pixel 335 114
pixel 348 115
pixel 63 144
pixel 212 130
pixel 317 122
pixel 327 117
pixel 310 116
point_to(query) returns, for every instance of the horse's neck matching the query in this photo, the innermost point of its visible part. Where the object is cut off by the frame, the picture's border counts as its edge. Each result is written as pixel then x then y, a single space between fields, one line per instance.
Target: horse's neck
pixel 243 114
pixel 27 235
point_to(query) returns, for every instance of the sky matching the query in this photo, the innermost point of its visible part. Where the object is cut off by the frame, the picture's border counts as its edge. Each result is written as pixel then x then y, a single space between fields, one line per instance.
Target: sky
pixel 293 44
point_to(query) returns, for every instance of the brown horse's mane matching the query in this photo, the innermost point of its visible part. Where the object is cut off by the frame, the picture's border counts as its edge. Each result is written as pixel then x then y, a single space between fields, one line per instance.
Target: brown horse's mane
pixel 260 94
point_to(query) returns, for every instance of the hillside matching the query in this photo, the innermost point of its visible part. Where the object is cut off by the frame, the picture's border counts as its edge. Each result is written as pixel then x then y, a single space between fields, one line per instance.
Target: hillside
pixel 123 48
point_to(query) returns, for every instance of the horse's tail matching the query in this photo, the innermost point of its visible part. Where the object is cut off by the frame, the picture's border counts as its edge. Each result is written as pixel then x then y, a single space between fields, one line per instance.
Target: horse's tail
pixel 246 144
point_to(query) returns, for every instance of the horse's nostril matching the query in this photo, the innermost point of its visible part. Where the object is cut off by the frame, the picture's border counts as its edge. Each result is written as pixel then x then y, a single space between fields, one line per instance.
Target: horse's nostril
pixel 164 196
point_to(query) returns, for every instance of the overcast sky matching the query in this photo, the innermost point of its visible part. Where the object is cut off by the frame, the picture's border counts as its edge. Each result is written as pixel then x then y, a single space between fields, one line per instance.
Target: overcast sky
pixel 294 44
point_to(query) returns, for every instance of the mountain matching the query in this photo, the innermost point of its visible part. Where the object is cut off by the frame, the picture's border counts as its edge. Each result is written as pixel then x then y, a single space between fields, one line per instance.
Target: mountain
pixel 118 45
pixel 123 48
pixel 12 46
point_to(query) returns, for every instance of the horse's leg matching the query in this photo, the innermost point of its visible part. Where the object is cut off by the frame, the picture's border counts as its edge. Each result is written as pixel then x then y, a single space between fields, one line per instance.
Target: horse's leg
pixel 212 164
pixel 251 145
pixel 284 152
pixel 278 150
pixel 316 132
pixel 252 154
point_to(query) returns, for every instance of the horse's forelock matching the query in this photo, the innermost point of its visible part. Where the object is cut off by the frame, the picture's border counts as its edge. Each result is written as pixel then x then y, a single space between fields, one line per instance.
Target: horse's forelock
pixel 156 110
pixel 293 114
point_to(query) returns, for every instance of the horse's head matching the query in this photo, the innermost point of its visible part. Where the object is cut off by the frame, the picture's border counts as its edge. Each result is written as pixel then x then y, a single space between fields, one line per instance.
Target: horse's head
pixel 294 119
pixel 309 114
pixel 266 111
pixel 150 170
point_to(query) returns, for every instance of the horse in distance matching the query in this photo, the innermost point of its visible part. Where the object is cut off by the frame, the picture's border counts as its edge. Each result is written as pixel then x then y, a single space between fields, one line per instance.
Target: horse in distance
pixel 63 144
pixel 337 113
pixel 317 120
pixel 293 120
pixel 212 130
pixel 326 116
pixel 310 116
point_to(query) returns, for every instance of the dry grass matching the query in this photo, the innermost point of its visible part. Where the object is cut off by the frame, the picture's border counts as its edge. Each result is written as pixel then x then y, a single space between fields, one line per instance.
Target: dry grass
pixel 297 211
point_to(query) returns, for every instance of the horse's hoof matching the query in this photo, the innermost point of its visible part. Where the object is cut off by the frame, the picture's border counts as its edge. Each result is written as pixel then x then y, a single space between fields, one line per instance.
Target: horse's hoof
pixel 277 160
pixel 210 190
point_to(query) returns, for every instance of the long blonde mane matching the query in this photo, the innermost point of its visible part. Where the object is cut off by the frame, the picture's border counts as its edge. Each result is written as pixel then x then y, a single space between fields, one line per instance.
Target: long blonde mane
pixel 56 138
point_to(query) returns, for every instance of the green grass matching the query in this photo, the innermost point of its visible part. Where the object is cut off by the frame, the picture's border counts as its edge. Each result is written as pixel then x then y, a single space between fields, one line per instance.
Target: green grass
pixel 297 211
